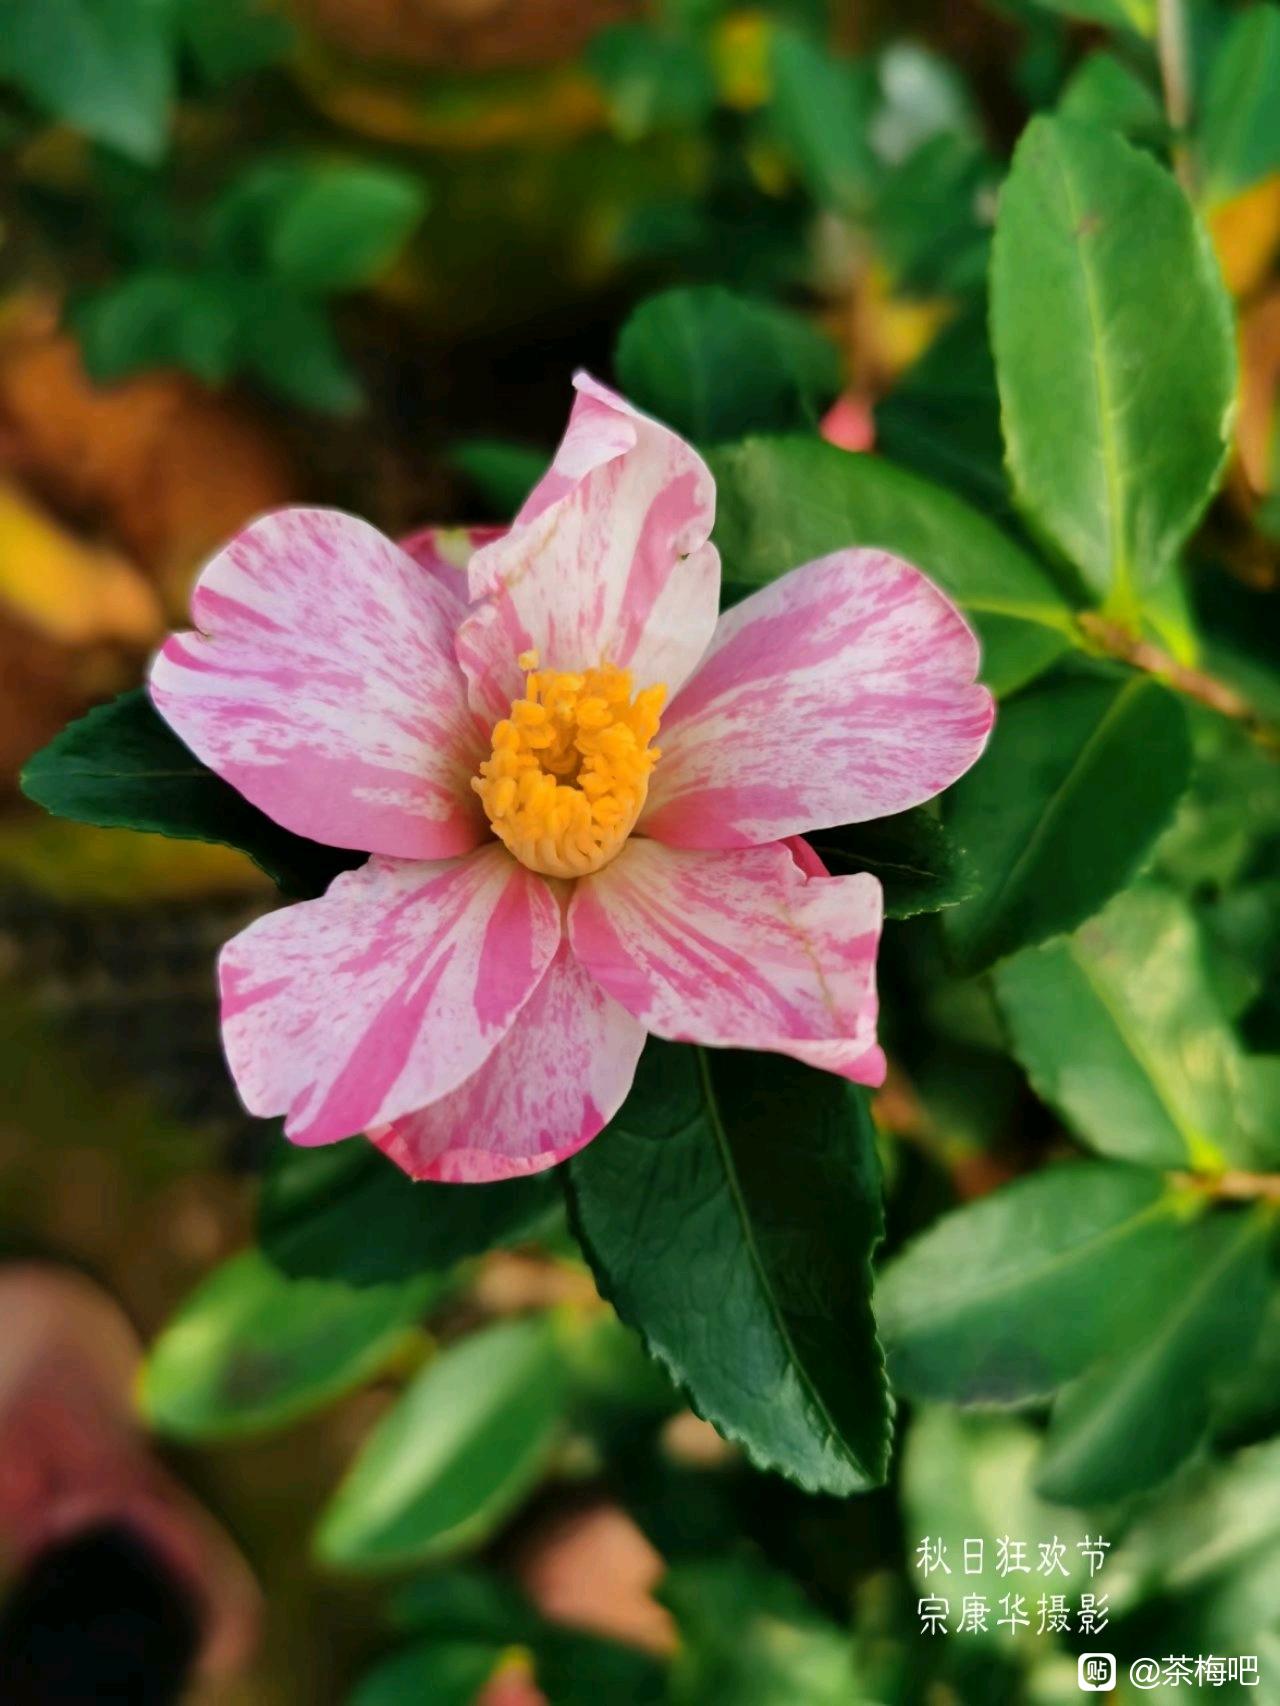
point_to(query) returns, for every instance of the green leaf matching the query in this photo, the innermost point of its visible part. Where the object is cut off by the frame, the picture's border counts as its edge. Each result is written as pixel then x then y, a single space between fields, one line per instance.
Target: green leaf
pixel 747 1278
pixel 749 1637
pixel 572 1668
pixel 821 112
pixel 251 1350
pixel 1128 1423
pixel 920 866
pixel 1207 1552
pixel 1082 773
pixel 1007 1297
pixel 652 78
pixel 343 225
pixel 943 418
pixel 102 66
pixel 931 221
pixel 503 473
pixel 235 37
pixel 1108 313
pixel 345 1212
pixel 446 1673
pixel 1119 1027
pixel 288 343
pixel 159 319
pixel 717 366
pixel 123 768
pixel 781 502
pixel 1240 130
pixel 455 1456
pixel 1103 90
pixel 1136 15
pixel 969 1476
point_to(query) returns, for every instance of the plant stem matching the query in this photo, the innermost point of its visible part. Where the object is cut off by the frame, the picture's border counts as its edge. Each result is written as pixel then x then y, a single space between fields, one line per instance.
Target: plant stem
pixel 1234 1186
pixel 1171 48
pixel 1118 642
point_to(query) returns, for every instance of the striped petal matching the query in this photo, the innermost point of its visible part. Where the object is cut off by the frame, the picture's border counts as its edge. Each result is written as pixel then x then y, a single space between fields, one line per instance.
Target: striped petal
pixel 322 685
pixel 386 993
pixel 608 561
pixel 738 949
pixel 841 692
pixel 556 1078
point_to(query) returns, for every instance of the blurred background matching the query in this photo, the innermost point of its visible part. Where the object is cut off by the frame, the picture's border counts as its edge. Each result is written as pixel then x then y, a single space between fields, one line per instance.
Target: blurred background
pixel 349 252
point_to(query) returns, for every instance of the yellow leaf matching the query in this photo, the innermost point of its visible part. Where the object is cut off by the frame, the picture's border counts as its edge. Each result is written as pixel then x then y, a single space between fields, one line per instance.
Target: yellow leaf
pixel 1246 234
pixel 69 591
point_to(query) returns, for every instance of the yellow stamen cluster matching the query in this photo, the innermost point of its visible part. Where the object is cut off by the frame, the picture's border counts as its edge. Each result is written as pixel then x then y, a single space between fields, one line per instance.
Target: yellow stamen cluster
pixel 570 766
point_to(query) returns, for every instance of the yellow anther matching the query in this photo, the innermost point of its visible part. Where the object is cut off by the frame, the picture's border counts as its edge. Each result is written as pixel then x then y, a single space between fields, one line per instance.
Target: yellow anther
pixel 569 770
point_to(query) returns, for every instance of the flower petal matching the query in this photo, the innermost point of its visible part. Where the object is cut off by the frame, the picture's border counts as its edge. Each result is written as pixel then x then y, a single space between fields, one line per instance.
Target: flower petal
pixel 843 691
pixel 386 993
pixel 322 685
pixel 608 561
pixel 556 1079
pixel 738 949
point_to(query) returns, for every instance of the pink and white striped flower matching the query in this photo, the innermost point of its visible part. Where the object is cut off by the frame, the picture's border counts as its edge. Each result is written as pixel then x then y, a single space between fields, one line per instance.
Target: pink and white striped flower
pixel 545 885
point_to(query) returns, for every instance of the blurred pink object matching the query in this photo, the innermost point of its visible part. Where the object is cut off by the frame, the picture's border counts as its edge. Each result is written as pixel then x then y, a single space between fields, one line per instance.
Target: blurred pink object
pixel 593 1569
pixel 72 1458
pixel 849 423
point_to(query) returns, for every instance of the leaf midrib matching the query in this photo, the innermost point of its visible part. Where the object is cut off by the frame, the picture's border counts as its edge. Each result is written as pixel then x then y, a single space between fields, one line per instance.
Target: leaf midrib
pixel 1111 460
pixel 721 1138
pixel 1017 1281
pixel 1138 1367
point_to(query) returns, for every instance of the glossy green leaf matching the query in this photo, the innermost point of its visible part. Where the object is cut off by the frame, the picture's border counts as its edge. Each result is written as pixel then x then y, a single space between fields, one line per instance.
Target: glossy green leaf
pixel 1103 90
pixel 1208 1549
pixel 251 1349
pixel 1247 1406
pixel 932 220
pixel 444 1673
pixel 783 501
pixel 749 1637
pixel 102 66
pixel 1115 354
pixel 344 225
pixel 821 112
pixel 1136 15
pixel 1119 1026
pixel 921 867
pixel 717 366
pixel 122 767
pixel 159 319
pixel 1062 810
pixel 1008 1296
pixel 345 1212
pixel 943 417
pixel 1239 142
pixel 455 1456
pixel 748 1278
pixel 652 78
pixel 1128 1423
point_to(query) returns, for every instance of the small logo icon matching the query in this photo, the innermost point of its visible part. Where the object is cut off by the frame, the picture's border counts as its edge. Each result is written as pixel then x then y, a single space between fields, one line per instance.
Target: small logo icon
pixel 1096 1672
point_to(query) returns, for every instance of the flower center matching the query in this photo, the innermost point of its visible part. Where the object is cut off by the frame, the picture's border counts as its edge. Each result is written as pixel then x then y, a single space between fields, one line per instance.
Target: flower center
pixel 569 770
